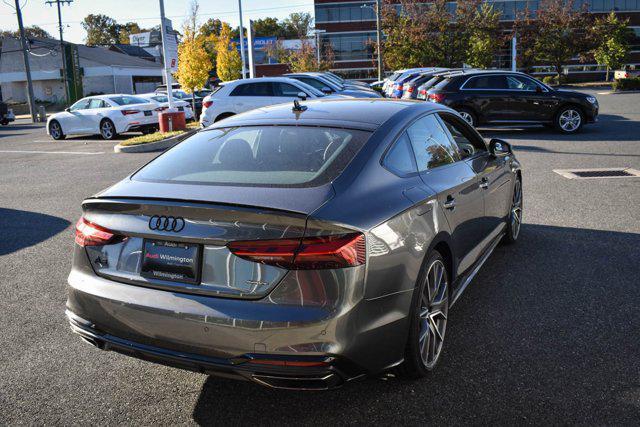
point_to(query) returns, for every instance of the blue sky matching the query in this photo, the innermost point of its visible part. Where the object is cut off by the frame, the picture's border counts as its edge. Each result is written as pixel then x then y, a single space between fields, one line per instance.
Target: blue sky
pixel 144 12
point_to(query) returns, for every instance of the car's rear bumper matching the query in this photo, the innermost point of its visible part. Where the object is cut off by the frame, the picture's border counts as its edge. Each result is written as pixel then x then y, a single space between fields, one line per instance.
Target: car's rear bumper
pixel 212 335
pixel 328 372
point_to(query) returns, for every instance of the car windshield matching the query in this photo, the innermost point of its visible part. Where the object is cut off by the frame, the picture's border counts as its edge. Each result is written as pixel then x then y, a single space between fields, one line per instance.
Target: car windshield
pixel 128 100
pixel 281 156
pixel 163 98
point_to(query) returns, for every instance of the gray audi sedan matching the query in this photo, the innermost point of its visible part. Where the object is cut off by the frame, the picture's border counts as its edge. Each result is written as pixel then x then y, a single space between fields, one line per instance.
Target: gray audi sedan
pixel 297 246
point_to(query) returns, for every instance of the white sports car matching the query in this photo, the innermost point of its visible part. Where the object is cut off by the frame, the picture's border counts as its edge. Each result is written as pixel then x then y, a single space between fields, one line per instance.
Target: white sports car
pixel 163 100
pixel 107 115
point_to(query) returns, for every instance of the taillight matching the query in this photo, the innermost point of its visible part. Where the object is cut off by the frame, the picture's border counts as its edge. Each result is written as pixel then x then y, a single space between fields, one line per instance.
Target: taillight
pixel 423 92
pixel 90 234
pixel 207 104
pixel 436 97
pixel 410 89
pixel 127 112
pixel 309 253
pixel 160 109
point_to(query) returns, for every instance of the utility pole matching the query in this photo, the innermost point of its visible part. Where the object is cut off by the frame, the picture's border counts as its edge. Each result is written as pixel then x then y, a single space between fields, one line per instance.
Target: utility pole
pixel 244 67
pixel 27 69
pixel 167 69
pixel 379 39
pixel 252 67
pixel 65 78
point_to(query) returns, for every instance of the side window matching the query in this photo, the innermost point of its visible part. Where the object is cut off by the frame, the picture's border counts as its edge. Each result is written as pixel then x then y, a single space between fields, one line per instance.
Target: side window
pixel 521 83
pixel 253 89
pixel 466 139
pixel 431 144
pixel 486 83
pixel 312 82
pixel 96 103
pixel 286 89
pixel 80 105
pixel 399 158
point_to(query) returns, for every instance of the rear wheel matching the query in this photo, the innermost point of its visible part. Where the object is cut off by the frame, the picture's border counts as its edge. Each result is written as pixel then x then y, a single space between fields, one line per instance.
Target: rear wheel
pixel 428 319
pixel 569 119
pixel 107 129
pixel 468 116
pixel 514 221
pixel 55 130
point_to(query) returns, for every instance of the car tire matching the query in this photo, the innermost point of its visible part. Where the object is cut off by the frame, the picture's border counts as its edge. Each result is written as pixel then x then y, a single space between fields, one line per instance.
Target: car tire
pixel 514 219
pixel 107 129
pixel 4 122
pixel 223 116
pixel 469 116
pixel 569 119
pixel 55 130
pixel 428 319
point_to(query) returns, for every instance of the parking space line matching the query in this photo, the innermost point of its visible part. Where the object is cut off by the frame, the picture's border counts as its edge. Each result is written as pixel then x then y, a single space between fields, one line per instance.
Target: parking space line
pixel 52 152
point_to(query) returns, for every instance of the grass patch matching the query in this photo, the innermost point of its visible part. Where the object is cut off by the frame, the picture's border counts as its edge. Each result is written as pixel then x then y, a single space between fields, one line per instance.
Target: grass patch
pixel 158 136
pixel 152 137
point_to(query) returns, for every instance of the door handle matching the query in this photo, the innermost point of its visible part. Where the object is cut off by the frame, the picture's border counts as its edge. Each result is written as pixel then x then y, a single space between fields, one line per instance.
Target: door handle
pixel 484 183
pixel 450 203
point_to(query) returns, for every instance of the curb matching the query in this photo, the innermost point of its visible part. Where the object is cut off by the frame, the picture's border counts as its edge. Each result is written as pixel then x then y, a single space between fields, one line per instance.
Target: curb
pixel 154 146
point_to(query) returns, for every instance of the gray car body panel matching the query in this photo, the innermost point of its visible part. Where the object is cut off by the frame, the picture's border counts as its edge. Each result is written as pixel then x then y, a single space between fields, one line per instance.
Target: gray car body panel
pixel 402 219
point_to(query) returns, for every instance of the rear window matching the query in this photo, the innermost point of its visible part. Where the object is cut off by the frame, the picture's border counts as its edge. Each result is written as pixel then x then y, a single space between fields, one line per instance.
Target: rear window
pixel 442 84
pixel 128 100
pixel 280 156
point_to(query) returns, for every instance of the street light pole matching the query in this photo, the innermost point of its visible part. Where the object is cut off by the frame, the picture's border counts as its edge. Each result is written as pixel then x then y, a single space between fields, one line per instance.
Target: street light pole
pixel 167 67
pixel 244 67
pixel 317 34
pixel 27 68
pixel 378 39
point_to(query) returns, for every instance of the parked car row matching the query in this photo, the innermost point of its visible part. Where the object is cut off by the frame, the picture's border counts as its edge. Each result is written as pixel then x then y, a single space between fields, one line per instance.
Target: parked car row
pixel 238 96
pixel 110 115
pixel 494 97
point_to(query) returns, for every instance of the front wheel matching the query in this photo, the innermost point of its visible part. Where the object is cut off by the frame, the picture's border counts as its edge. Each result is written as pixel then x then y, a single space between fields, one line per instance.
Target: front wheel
pixel 569 120
pixel 514 221
pixel 55 130
pixel 428 319
pixel 107 129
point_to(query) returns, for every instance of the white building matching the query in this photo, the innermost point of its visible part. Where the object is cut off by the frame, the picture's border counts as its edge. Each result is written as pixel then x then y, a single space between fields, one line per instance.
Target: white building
pixel 102 70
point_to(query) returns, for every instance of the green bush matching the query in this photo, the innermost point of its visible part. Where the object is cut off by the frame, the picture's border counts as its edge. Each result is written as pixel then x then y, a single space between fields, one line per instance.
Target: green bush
pixel 626 84
pixel 550 80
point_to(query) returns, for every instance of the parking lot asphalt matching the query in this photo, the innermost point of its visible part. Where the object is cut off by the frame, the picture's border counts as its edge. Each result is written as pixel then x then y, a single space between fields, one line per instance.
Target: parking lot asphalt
pixel 548 332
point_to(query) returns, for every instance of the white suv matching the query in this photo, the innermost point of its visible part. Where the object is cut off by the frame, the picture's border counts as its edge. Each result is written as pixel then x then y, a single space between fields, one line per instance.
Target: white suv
pixel 243 95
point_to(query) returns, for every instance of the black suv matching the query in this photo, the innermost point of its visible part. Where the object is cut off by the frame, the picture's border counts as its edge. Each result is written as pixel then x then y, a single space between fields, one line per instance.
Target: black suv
pixel 505 98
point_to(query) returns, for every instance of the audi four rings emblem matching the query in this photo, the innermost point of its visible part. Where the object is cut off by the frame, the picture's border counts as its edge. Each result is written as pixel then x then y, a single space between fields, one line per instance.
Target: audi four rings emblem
pixel 166 223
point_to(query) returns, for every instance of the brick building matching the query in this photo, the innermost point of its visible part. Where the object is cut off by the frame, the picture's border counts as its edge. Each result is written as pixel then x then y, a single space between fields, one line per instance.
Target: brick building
pixel 349 26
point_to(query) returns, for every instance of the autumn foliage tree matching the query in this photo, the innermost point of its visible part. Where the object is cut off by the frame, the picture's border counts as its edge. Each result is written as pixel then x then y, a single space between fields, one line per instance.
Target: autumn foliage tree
pixel 611 38
pixel 229 62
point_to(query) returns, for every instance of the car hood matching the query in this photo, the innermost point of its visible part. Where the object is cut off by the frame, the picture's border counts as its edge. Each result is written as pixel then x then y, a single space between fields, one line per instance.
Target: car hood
pixel 572 93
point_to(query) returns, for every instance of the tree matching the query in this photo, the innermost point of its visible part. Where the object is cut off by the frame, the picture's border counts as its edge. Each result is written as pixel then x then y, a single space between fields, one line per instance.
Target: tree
pixel 611 37
pixel 268 27
pixel 297 25
pixel 526 29
pixel 32 31
pixel 484 34
pixel 561 33
pixel 193 62
pixel 124 31
pixel 101 30
pixel 229 62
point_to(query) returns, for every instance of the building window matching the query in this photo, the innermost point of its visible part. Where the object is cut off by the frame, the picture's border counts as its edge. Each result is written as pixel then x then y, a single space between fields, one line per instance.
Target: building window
pixel 346 12
pixel 351 46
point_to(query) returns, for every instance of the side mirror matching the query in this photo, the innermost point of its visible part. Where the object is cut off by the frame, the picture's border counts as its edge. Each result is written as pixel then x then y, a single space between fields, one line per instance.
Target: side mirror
pixel 67 109
pixel 326 90
pixel 499 148
pixel 302 96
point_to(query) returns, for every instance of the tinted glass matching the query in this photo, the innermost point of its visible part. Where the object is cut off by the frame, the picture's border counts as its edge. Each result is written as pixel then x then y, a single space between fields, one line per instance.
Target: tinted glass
pixel 80 105
pixel 285 89
pixel 128 100
pixel 253 89
pixel 486 82
pixel 312 82
pixel 432 81
pixel 466 142
pixel 399 159
pixel 521 83
pixel 289 156
pixel 431 144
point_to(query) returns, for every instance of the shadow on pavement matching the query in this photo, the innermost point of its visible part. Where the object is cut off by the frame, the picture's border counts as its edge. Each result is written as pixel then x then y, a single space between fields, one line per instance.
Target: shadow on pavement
pixel 535 149
pixel 21 229
pixel 547 331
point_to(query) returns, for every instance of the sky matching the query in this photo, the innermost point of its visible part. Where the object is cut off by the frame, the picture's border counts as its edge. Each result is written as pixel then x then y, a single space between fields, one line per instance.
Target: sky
pixel 145 12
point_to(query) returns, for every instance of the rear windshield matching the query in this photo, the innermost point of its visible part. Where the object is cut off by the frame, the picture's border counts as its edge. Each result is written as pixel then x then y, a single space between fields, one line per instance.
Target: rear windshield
pixel 271 156
pixel 128 100
pixel 432 81
pixel 442 84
